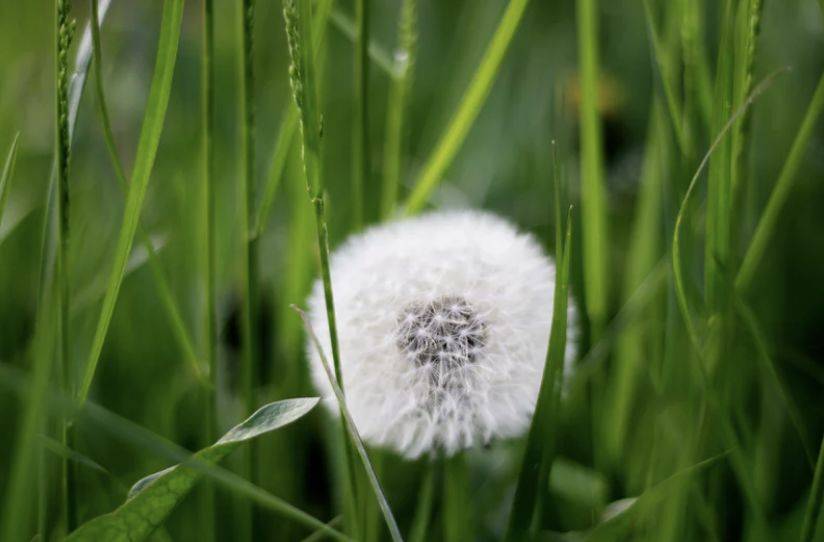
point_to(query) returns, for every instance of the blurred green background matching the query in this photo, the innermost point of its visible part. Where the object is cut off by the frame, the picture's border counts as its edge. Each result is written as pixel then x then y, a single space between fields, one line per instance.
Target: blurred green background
pixel 505 165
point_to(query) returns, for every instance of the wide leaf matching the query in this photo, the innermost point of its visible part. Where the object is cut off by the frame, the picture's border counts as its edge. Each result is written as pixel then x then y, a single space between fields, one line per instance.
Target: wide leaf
pixel 153 498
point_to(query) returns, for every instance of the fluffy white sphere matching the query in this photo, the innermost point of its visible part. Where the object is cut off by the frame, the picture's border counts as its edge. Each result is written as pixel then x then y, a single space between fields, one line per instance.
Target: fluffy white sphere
pixel 443 322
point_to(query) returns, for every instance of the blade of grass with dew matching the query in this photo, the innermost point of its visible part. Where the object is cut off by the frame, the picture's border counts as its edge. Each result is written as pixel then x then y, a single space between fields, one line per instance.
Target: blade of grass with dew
pixel 153 498
pixel 146 152
pixel 171 306
pixel 361 163
pixel 298 21
pixel 533 476
pixel 811 516
pixel 6 175
pixel 471 103
pixel 400 86
pixel 15 380
pixel 593 196
pixel 778 197
pixel 352 430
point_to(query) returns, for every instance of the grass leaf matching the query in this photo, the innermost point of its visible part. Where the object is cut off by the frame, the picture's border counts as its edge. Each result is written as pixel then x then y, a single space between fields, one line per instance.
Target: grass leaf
pixel 144 161
pixel 6 175
pixel 152 498
pixel 471 103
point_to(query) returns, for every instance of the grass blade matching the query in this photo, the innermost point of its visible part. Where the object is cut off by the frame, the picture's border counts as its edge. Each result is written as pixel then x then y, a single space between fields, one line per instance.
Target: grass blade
pixel 146 152
pixel 354 435
pixel 171 306
pixel 534 474
pixel 471 103
pixel 813 512
pixel 153 498
pixel 786 179
pixel 377 54
pixel 593 195
pixel 396 106
pixel 361 168
pixel 6 175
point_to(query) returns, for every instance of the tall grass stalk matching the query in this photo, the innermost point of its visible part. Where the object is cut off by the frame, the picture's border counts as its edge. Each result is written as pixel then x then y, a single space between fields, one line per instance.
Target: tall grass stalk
pixel 471 103
pixel 298 20
pixel 64 35
pixel 361 168
pixel 209 259
pixel 778 197
pixel 396 106
pixel 593 195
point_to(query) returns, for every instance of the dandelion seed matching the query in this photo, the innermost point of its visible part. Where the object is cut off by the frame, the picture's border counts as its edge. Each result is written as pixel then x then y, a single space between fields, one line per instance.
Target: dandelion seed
pixel 443 323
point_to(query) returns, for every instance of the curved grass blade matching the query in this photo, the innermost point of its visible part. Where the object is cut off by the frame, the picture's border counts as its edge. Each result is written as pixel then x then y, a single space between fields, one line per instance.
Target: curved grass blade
pixel 813 512
pixel 153 498
pixel 173 311
pixel 5 177
pixel 535 468
pixel 394 532
pixel 678 273
pixel 144 161
pixel 471 103
pixel 778 196
pixel 60 449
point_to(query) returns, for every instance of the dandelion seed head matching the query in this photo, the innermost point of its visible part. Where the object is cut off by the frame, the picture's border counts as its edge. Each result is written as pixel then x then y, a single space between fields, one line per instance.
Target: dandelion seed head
pixel 443 323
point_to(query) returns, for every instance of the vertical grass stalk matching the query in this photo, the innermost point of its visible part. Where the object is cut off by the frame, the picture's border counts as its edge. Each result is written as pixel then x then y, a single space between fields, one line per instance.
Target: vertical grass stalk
pixel 811 516
pixel 593 191
pixel 64 34
pixel 396 107
pixel 298 20
pixel 361 168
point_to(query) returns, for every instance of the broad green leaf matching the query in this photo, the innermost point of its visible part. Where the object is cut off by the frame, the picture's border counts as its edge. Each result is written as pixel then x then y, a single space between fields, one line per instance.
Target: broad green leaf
pixel 152 498
pixel 144 161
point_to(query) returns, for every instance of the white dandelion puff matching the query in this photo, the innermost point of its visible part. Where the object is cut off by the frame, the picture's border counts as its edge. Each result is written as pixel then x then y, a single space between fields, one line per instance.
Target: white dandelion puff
pixel 443 323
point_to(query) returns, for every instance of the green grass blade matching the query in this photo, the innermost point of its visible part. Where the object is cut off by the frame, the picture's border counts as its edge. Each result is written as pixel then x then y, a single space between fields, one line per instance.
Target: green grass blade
pixel 593 192
pixel 677 266
pixel 534 473
pixel 757 334
pixel 153 498
pixel 766 224
pixel 811 516
pixel 396 106
pixel 377 54
pixel 361 163
pixel 146 152
pixel 169 303
pixel 423 508
pixel 471 103
pixel 6 175
pixel 60 449
pixel 352 430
